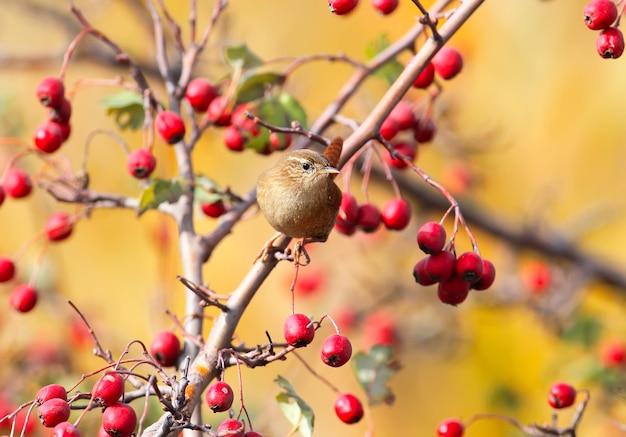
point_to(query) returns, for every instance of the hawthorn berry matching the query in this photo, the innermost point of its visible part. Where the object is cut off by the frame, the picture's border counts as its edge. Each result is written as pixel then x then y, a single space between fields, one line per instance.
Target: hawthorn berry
pixel 450 428
pixel 200 93
pixel 218 112
pixel 59 226
pixel 279 141
pixel 424 130
pixel 23 298
pixel 368 217
pixel 53 411
pixel 469 266
pixel 233 138
pixel 396 214
pixel 448 62
pixel 48 137
pixel 453 290
pixel 600 14
pixel 298 330
pixel 108 389
pixel 348 408
pixel 613 354
pixel 17 183
pixel 403 148
pixel 119 420
pixel 65 429
pixel 170 127
pixel 562 395
pixel 348 210
pixel 610 43
pixel 230 428
pixel 65 128
pixel 440 266
pixel 537 277
pixel 403 114
pixel 431 237
pixel 61 114
pixel 51 391
pixel 215 209
pixel 379 327
pixel 487 278
pixel 342 7
pixel 426 77
pixel 241 120
pixel 7 269
pixel 219 397
pixel 140 163
pixel 50 91
pixel 385 7
pixel 2 195
pixel 336 350
pixel 389 128
pixel 420 275
pixel 165 348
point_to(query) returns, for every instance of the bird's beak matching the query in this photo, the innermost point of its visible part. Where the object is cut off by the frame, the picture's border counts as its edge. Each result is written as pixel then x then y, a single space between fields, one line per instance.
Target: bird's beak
pixel 329 169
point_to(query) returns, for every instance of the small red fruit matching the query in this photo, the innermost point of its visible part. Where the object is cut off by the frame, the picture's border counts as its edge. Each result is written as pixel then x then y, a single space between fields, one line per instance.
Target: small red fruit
pixel 379 327
pixel 23 298
pixel 336 350
pixel 48 137
pixel 200 93
pixel 230 428
pixel 348 210
pixel 537 277
pixel 420 275
pixel 396 214
pixel 215 209
pixel 61 114
pixel 2 195
pixel 170 127
pixel 487 278
pixel 165 348
pixel 219 397
pixel 600 14
pixel 50 91
pixel 610 43
pixel 403 148
pixel 431 237
pixel 613 354
pixel 450 428
pixel 280 141
pixel 51 391
pixel 448 62
pixel 119 420
pixel 17 183
pixel 7 269
pixel 342 7
pixel 385 7
pixel 440 266
pixel 65 429
pixel 53 411
pixel 298 330
pixel 218 111
pixel 426 77
pixel 424 130
pixel 389 128
pixel 562 395
pixel 469 266
pixel 59 226
pixel 453 290
pixel 403 114
pixel 368 217
pixel 348 408
pixel 234 139
pixel 108 389
pixel 140 163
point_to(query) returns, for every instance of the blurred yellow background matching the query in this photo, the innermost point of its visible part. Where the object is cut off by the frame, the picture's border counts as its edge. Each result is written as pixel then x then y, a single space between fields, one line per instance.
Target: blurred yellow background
pixel 537 112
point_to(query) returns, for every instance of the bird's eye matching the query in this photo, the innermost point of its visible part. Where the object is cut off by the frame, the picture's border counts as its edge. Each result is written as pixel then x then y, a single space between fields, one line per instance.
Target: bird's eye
pixel 307 166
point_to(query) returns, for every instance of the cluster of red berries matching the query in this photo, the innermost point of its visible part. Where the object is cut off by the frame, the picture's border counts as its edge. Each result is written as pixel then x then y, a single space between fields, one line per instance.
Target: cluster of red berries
pixel 367 217
pixel 601 15
pixel 455 276
pixel 342 7
pixel 219 397
pixel 50 135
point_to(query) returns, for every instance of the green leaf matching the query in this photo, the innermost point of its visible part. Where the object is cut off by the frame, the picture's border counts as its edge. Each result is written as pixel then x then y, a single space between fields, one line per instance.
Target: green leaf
pixel 373 370
pixel 127 108
pixel 292 108
pixel 294 408
pixel 159 191
pixel 584 330
pixel 389 70
pixel 241 57
pixel 207 190
pixel 254 86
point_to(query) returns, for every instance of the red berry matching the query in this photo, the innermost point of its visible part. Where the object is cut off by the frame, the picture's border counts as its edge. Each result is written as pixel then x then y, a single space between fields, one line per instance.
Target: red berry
pixel 431 237
pixel 170 127
pixel 610 43
pixel 23 298
pixel 140 163
pixel 450 428
pixel 396 214
pixel 65 429
pixel 51 391
pixel 420 275
pixel 348 408
pixel 108 389
pixel 61 114
pixel 440 266
pixel 406 149
pixel 562 395
pixel 389 128
pixel 537 277
pixel 368 217
pixel 241 120
pixel 17 183
pixel 233 138
pixel 7 269
pixel 2 195
pixel 66 128
pixel 48 137
pixel 53 411
pixel 448 62
pixel 215 209
pixel 426 77
pixel 453 290
pixel 424 130
pixel 59 226
pixel 342 7
pixel 336 350
pixel 613 354
pixel 487 278
pixel 280 141
pixel 345 227
pixel 219 397
pixel 469 267
pixel 199 93
pixel 385 7
pixel 403 114
pixel 165 348
pixel 349 209
pixel 50 91
pixel 380 328
pixel 230 428
pixel 119 420
pixel 298 330
pixel 218 111
pixel 600 14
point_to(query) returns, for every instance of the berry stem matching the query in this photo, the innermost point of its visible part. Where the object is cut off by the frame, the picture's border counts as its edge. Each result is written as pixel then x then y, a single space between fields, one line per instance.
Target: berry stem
pixel 315 374
pixel 70 51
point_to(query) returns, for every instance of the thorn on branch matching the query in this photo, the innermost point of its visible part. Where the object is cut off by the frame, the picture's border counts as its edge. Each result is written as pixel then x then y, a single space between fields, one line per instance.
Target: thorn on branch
pixel 208 297
pixel 426 20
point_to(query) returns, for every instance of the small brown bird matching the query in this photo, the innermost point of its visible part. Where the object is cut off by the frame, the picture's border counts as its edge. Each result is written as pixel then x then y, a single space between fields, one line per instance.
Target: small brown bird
pixel 298 195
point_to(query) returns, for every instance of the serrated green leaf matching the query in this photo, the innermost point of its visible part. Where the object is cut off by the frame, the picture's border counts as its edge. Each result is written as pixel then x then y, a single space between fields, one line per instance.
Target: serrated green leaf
pixel 127 109
pixel 254 86
pixel 373 370
pixel 294 408
pixel 373 48
pixel 159 191
pixel 241 57
pixel 292 107
pixel 389 70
